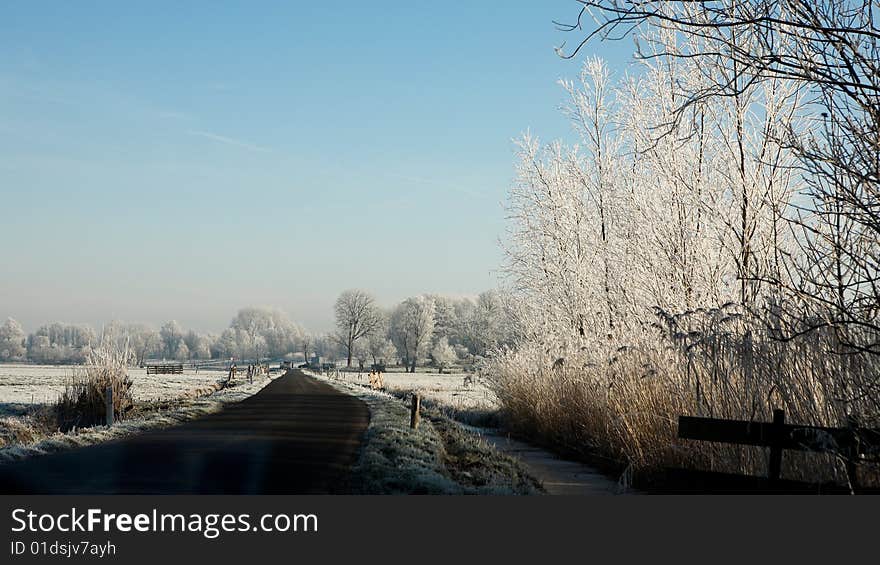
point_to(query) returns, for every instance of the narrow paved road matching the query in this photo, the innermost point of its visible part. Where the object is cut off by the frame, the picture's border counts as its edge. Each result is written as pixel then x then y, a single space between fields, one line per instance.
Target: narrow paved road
pixel 296 436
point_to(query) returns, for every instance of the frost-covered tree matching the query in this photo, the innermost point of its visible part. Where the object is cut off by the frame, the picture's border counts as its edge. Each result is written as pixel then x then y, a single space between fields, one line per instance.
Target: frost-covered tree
pixel 226 345
pixel 182 352
pixel 710 186
pixel 361 352
pixel 356 317
pixel 306 341
pixel 265 332
pixel 444 317
pixel 143 341
pixel 650 209
pixel 198 345
pixel 61 343
pixel 12 341
pixel 569 216
pixel 827 52
pixel 412 325
pixel 443 355
pixel 140 339
pixel 171 336
pixel 381 348
pixel 326 347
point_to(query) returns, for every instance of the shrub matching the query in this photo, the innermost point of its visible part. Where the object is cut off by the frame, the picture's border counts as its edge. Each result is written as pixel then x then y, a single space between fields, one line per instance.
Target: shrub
pixel 83 401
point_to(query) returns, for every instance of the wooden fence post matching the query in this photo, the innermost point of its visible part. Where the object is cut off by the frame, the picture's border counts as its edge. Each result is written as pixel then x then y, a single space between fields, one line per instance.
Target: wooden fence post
pixel 108 404
pixel 852 455
pixel 414 412
pixel 775 469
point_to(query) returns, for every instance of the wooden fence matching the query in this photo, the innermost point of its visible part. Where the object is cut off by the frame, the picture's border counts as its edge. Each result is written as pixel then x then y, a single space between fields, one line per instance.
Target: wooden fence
pixel 853 444
pixel 165 369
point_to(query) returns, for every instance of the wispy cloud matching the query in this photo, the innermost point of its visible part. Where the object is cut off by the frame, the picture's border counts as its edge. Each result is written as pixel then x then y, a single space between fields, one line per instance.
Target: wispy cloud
pixel 228 141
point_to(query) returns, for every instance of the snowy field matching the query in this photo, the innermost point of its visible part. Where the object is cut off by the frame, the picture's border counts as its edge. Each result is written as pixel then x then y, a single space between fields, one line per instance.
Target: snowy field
pixel 35 440
pixel 25 385
pixel 449 390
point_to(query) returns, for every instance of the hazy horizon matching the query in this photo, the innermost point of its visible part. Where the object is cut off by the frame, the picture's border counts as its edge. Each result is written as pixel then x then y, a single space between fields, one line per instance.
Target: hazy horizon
pixel 158 168
pixel 324 317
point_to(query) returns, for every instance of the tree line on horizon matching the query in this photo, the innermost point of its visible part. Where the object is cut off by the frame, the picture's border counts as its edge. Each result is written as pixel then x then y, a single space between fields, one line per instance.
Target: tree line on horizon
pixel 428 329
pixel 254 333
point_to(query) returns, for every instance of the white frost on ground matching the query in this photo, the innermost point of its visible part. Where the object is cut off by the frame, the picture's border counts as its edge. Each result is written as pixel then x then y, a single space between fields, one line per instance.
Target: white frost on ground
pixel 24 385
pixel 398 460
pixel 448 390
pixel 188 410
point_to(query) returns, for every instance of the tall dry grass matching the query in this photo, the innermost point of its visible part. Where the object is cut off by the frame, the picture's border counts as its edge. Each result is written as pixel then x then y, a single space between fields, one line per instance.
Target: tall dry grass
pixel 622 403
pixel 83 401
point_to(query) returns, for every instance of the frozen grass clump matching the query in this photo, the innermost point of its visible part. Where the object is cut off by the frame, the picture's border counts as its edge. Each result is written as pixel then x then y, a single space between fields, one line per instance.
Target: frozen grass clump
pixel 83 402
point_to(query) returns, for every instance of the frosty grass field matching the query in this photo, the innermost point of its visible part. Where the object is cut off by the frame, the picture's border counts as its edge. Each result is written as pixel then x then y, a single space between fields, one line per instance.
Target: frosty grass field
pixel 22 386
pixel 447 390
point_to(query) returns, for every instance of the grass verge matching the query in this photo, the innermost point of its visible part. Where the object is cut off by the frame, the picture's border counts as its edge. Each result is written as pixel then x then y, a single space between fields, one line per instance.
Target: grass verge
pixel 438 458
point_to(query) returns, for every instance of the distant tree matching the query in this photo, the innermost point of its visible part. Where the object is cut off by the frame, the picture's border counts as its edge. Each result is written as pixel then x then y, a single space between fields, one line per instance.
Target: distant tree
pixel 443 354
pixel 191 338
pixel 198 345
pixel 381 348
pixel 171 336
pixel 60 343
pixel 356 317
pixel 326 347
pixel 260 332
pixel 278 333
pixel 140 340
pixel 261 348
pixel 492 322
pixel 306 341
pixel 143 341
pixel 444 317
pixel 226 345
pixel 462 353
pixel 361 352
pixel 12 341
pixel 182 353
pixel 412 325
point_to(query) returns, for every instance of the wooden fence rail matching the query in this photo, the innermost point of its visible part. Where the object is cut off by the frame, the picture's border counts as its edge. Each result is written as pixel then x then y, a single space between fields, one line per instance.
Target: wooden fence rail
pixel 852 443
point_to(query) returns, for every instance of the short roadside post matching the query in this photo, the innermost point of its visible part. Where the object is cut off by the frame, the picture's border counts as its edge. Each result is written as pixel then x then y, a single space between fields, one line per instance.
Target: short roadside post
pixel 108 400
pixel 414 412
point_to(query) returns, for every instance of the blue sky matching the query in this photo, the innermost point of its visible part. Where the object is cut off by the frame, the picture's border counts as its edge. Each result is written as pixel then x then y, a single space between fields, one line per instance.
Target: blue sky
pixel 165 160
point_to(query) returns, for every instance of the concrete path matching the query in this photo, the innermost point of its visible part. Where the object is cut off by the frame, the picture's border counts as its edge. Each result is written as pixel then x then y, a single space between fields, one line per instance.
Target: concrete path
pixel 297 435
pixel 558 476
